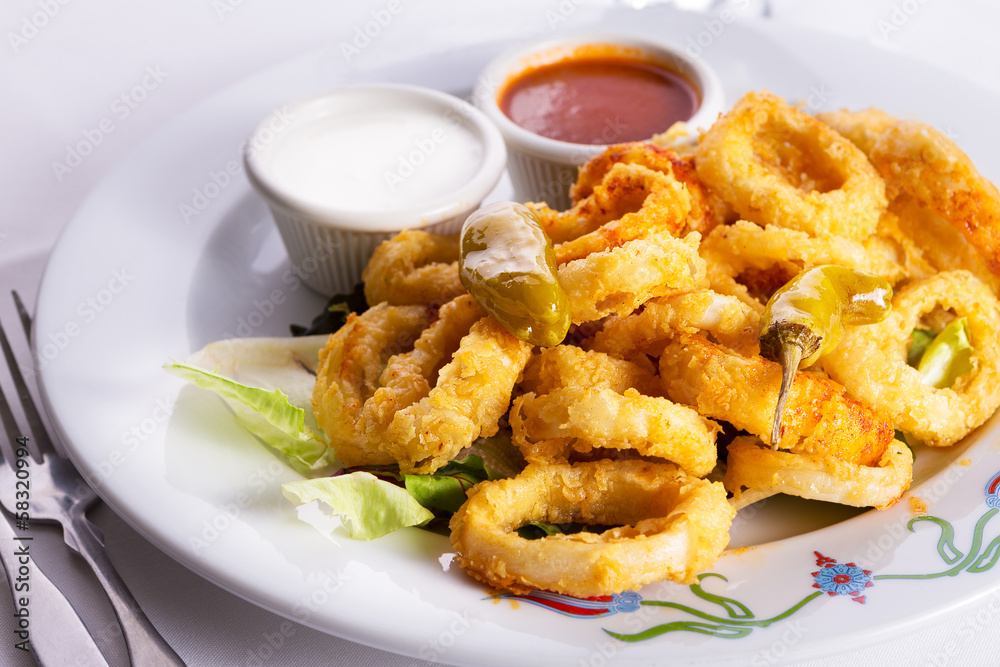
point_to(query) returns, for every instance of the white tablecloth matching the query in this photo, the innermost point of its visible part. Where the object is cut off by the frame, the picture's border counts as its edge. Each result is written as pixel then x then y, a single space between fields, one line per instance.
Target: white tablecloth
pixel 112 73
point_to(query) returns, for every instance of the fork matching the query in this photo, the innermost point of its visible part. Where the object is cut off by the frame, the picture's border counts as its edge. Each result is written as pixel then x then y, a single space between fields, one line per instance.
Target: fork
pixel 60 494
pixel 57 635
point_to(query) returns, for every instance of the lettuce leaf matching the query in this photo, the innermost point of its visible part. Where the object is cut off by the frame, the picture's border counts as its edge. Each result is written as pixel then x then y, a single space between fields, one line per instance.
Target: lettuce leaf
pixel 535 530
pixel 501 458
pixel 369 507
pixel 920 340
pixel 267 382
pixel 445 489
pixel 948 356
pixel 335 313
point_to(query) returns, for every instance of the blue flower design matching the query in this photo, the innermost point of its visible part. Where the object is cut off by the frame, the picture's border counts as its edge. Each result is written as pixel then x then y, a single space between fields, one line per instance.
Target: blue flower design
pixel 842 579
pixel 627 601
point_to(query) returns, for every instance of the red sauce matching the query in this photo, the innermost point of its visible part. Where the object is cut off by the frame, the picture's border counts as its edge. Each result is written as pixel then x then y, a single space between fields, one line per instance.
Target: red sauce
pixel 599 101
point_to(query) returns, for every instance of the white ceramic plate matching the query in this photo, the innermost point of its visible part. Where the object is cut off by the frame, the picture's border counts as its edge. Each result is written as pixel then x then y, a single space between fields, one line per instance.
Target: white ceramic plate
pixel 174 251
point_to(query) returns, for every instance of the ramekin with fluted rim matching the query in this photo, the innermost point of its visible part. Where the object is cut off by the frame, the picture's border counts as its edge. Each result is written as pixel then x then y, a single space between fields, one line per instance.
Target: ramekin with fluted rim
pixel 347 169
pixel 542 169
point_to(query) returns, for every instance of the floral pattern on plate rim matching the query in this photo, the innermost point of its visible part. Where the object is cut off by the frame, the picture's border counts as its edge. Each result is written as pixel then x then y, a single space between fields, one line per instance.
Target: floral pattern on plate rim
pixel 733 619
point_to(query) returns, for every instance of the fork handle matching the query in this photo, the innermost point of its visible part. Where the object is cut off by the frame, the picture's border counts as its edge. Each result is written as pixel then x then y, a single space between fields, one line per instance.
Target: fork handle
pixel 144 643
pixel 58 635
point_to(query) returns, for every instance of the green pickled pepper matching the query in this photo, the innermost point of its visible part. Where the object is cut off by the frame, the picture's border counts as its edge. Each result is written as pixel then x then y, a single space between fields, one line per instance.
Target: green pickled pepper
pixel 508 266
pixel 805 319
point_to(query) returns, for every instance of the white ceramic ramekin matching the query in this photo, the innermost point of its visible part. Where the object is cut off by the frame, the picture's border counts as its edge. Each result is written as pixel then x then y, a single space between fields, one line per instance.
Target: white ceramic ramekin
pixel 542 169
pixel 328 243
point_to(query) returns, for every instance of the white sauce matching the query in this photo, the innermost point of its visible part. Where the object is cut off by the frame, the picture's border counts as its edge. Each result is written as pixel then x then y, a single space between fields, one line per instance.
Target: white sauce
pixel 511 246
pixel 376 159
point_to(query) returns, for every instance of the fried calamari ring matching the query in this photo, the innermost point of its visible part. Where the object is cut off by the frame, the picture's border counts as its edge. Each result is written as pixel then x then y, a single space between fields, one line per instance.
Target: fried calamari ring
pixel 550 427
pixel 901 241
pixel 581 402
pixel 766 258
pixel 726 318
pixel 820 417
pixel 620 280
pixel 349 370
pixel 622 181
pixel 871 361
pixel 595 170
pixel 917 160
pixel 706 210
pixel 568 365
pixel 396 387
pixel 754 470
pixel 670 527
pixel 931 244
pixel 776 164
pixel 471 395
pixel 862 128
pixel 679 138
pixel 665 206
pixel 930 226
pixel 413 267
pixel 409 376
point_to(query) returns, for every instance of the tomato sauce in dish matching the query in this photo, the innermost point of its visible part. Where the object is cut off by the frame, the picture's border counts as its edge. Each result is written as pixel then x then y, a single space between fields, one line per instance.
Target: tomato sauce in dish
pixel 602 100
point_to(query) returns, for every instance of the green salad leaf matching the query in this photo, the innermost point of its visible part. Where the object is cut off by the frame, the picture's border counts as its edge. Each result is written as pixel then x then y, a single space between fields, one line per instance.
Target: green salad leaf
pixel 948 356
pixel 501 458
pixel 920 340
pixel 445 489
pixel 535 530
pixel 335 313
pixel 267 382
pixel 368 506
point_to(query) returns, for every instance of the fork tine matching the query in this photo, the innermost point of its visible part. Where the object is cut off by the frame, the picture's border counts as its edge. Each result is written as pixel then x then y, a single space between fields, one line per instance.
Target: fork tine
pixel 22 312
pixel 26 321
pixel 27 402
pixel 10 426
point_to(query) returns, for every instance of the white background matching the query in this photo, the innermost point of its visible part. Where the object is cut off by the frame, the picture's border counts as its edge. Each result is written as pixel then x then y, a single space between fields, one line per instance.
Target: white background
pixel 75 71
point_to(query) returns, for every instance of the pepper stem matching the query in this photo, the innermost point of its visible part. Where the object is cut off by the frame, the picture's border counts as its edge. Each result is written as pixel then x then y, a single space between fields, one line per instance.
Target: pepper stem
pixel 791 356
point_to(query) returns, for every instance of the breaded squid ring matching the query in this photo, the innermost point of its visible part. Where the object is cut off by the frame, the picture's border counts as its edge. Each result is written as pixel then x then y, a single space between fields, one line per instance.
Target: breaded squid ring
pixel 670 527
pixel 922 162
pixel 753 470
pixel 902 244
pixel 733 250
pixel 871 361
pixel 413 267
pixel 679 138
pixel 930 243
pixel 861 128
pixel 820 417
pixel 472 393
pixel 349 370
pixel 729 320
pixel 641 153
pixel 408 377
pixel 776 164
pixel 620 280
pixel 665 206
pixel 567 365
pixel 937 231
pixel 550 427
pixel 619 182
